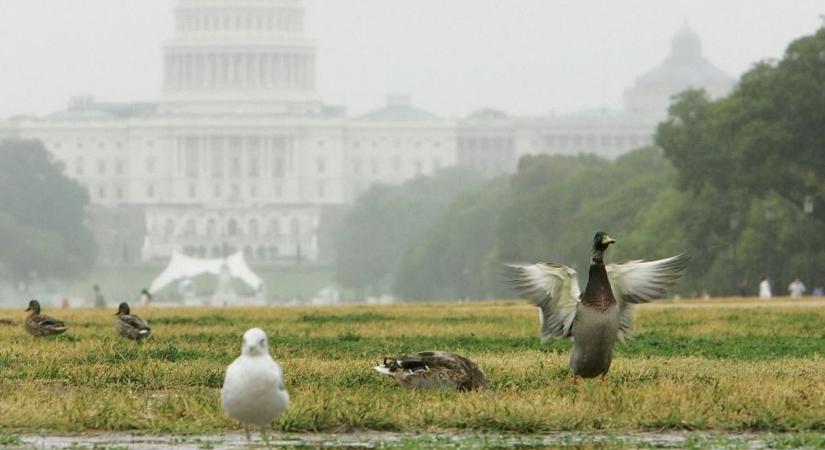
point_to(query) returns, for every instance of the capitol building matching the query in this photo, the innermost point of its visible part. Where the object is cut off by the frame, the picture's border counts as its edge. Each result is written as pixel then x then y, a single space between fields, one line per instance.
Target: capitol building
pixel 240 153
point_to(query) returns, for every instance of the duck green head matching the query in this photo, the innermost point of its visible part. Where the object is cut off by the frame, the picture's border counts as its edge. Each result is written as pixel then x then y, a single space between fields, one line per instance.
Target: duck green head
pixel 122 309
pixel 34 307
pixel 601 241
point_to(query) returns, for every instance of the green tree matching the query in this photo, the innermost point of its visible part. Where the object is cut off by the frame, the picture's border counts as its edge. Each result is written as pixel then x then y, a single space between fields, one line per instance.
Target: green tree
pixel 42 215
pixel 374 234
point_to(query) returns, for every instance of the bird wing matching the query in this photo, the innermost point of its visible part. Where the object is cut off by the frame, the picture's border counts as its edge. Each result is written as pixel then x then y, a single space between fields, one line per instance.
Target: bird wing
pixel 641 281
pixel 554 289
pixel 50 322
pixel 134 322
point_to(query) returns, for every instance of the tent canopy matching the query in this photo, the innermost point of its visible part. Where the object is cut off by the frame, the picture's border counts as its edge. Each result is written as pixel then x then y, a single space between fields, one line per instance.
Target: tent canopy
pixel 181 266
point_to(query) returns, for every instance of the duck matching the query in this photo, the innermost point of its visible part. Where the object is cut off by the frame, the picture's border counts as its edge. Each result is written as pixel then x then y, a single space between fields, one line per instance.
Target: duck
pixel 253 389
pixel 131 326
pixel 603 314
pixel 434 370
pixel 42 325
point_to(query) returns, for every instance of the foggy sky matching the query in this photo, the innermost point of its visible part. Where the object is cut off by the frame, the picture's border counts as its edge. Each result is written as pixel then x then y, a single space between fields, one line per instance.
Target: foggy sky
pixel 452 56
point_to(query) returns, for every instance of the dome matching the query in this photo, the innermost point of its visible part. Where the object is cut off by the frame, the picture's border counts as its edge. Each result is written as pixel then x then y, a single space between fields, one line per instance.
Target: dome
pixel 683 69
pixel 686 44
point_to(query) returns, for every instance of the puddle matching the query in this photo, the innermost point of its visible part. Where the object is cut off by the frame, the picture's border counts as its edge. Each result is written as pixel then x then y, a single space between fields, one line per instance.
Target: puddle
pixel 412 441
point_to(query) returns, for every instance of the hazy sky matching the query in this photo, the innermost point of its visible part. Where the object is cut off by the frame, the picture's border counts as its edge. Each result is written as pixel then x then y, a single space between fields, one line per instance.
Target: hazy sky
pixel 452 56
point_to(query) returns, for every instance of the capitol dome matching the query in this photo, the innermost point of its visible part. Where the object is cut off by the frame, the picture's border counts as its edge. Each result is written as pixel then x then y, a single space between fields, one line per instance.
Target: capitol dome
pixel 684 68
pixel 240 57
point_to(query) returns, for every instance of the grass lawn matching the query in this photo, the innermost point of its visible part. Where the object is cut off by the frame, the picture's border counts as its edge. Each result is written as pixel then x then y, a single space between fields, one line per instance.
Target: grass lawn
pixel 721 366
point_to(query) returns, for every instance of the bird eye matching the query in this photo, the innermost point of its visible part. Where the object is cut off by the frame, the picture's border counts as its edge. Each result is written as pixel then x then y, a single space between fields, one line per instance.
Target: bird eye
pixel 262 343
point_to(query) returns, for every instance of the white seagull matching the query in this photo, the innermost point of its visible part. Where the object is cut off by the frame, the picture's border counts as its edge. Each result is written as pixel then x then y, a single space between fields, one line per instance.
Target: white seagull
pixel 253 391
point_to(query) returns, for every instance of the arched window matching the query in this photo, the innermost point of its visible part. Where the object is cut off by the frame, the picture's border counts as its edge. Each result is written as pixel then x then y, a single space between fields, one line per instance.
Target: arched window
pixel 169 228
pixel 295 227
pixel 273 228
pixel 261 253
pixel 189 230
pixel 232 227
pixel 211 228
pixel 253 227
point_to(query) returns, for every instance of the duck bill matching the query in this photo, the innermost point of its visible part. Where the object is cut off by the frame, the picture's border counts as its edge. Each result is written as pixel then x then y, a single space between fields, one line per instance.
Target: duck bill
pixel 28 309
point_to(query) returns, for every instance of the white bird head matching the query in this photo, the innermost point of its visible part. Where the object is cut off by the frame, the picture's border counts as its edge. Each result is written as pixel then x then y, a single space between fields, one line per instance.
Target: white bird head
pixel 255 343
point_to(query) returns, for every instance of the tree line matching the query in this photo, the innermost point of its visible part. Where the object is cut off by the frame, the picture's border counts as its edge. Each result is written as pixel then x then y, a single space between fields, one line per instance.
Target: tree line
pixel 738 183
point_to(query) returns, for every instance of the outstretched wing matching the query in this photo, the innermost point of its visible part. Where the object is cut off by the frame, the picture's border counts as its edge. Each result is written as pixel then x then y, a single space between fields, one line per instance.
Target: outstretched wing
pixel 640 282
pixel 554 289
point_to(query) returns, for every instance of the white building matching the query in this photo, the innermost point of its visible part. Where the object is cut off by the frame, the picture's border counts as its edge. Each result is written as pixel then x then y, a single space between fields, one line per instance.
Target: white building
pixel 240 152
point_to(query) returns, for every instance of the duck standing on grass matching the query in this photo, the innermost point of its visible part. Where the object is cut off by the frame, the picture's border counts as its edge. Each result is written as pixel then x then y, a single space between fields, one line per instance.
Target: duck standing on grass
pixel 131 326
pixel 604 313
pixel 253 391
pixel 434 370
pixel 42 325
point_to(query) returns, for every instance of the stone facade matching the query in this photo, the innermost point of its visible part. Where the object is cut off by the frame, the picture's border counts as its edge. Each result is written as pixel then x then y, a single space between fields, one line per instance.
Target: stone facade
pixel 239 153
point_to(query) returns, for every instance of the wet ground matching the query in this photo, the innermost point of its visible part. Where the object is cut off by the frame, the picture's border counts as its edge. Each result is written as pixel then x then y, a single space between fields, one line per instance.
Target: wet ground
pixel 420 441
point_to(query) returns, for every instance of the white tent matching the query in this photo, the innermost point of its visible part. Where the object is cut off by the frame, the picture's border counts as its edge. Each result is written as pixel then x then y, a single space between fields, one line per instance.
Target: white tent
pixel 181 266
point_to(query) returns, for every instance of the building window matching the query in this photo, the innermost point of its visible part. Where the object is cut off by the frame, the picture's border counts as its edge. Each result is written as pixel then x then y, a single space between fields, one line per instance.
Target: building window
pixel 119 192
pixel 419 167
pixel 217 190
pixel 376 165
pixel 232 228
pixel 322 165
pixel 150 191
pixel 189 229
pixel 274 228
pixel 279 191
pixel 396 163
pixel 79 165
pixel 101 192
pixel 278 168
pixel 253 190
pixel 119 167
pixel 216 156
pixel 101 167
pixel 193 191
pixel 253 227
pixel 150 165
pixel 321 190
pixel 356 166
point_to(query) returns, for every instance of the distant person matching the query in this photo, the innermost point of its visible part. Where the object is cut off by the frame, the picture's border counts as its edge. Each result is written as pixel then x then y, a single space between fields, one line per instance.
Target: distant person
pixel 796 288
pixel 765 289
pixel 100 301
pixel 742 287
pixel 819 291
pixel 145 298
pixel 64 303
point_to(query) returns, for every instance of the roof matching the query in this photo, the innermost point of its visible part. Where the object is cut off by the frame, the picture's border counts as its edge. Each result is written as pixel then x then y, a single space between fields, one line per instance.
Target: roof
pixel 398 113
pixel 104 111
pixel 399 109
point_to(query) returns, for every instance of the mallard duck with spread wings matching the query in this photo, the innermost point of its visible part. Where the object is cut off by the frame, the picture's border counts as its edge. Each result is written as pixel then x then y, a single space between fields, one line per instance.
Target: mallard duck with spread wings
pixel 42 325
pixel 602 315
pixel 434 370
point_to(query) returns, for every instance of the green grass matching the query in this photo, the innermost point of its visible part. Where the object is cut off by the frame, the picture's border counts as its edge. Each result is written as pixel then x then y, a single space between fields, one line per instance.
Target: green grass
pixel 729 368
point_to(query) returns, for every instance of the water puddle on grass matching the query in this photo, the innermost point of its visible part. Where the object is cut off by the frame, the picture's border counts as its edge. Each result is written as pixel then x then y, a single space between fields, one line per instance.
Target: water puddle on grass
pixel 419 441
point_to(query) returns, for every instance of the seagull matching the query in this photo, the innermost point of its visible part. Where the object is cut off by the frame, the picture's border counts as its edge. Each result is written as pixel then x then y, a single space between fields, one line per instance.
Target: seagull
pixel 602 315
pixel 253 391
pixel 131 326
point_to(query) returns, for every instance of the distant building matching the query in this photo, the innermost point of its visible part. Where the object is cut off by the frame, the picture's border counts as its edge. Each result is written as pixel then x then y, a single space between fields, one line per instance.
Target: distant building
pixel 684 68
pixel 240 153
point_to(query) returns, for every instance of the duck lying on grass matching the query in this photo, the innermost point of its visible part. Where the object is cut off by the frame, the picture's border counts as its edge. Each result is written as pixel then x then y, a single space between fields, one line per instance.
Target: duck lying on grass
pixel 253 391
pixel 42 325
pixel 131 326
pixel 604 313
pixel 434 370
